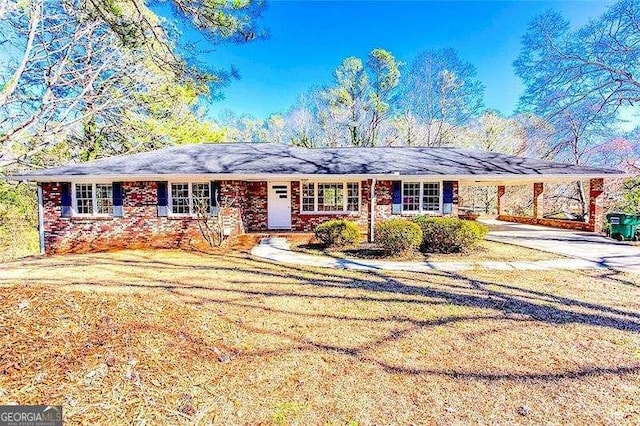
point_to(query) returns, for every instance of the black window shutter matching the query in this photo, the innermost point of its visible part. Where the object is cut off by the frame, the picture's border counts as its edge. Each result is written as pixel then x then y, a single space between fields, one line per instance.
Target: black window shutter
pixel 65 199
pixel 117 199
pixel 396 197
pixel 162 198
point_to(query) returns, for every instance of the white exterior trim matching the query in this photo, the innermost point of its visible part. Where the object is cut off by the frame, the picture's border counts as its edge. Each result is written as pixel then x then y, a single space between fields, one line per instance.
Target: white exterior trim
pixel 41 219
pixel 344 201
pixel 189 183
pixel 421 195
pixel 94 199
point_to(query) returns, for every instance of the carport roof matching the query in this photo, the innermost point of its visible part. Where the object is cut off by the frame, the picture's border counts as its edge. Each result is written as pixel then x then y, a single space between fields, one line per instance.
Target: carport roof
pixel 270 160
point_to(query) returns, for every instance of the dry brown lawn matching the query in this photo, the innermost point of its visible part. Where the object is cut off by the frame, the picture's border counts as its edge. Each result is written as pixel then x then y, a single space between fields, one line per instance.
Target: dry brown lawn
pixel 161 337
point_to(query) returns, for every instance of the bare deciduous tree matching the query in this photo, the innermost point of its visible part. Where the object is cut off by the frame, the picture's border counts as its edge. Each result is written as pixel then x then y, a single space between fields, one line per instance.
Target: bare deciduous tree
pixel 95 75
pixel 211 221
pixel 439 92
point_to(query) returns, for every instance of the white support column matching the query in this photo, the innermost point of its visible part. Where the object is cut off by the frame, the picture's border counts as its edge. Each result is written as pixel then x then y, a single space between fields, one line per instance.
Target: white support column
pixel 41 218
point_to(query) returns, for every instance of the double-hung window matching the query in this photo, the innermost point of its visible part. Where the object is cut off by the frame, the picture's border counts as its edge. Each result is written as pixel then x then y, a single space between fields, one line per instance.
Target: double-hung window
pixel 93 199
pixel 180 203
pixel 411 196
pixel 104 198
pixel 353 196
pixel 201 198
pixel 84 198
pixel 431 196
pixel 308 197
pixel 190 198
pixel 331 197
pixel 421 197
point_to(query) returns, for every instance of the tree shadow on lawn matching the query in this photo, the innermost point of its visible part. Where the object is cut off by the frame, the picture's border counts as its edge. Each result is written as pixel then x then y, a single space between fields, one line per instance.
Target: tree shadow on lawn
pixel 504 304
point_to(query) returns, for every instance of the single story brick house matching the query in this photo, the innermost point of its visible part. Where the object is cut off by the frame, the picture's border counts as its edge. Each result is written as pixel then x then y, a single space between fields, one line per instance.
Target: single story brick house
pixel 150 199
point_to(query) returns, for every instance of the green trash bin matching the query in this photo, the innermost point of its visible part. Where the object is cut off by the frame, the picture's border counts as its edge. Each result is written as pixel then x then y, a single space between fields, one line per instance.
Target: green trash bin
pixel 623 226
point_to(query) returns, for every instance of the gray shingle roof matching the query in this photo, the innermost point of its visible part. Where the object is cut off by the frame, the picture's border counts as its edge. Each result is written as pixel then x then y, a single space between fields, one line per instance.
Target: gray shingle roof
pixel 279 159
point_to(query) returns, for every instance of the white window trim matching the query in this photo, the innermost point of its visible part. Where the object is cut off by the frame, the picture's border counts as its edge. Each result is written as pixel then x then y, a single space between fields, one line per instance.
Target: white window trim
pixel 421 196
pixel 190 187
pixel 94 200
pixel 344 201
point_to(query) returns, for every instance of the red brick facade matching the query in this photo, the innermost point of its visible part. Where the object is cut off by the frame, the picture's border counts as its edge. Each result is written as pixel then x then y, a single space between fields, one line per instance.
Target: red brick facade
pixel 244 210
pixel 140 226
pixel 553 223
pixel 596 204
pixel 254 213
pixel 502 190
pixel 538 204
pixel 384 199
pixel 306 222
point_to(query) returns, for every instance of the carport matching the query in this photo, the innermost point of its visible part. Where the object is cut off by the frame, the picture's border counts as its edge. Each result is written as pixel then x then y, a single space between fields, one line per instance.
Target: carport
pixel 595 211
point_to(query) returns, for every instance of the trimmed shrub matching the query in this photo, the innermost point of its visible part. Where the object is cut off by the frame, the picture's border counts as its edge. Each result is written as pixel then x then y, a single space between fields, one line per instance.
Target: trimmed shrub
pixel 449 234
pixel 338 233
pixel 398 236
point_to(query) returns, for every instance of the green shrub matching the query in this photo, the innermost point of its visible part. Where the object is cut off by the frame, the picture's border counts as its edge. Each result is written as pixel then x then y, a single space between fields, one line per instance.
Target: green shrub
pixel 398 236
pixel 338 233
pixel 449 234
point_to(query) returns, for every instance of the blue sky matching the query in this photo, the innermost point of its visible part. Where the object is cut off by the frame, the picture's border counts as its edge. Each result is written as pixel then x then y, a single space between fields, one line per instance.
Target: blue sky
pixel 309 39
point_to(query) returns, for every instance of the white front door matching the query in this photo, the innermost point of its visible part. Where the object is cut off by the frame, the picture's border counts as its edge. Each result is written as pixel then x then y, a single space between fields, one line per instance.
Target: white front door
pixel 279 205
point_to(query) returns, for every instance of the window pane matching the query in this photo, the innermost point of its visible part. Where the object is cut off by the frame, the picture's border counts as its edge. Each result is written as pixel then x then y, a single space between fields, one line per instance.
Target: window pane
pixel 201 198
pixel 431 196
pixel 411 196
pixel 353 196
pixel 104 198
pixel 330 197
pixel 84 198
pixel 180 198
pixel 308 197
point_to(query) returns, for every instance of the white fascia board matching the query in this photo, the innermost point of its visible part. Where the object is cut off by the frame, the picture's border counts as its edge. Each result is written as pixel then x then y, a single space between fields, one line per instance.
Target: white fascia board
pixel 466 179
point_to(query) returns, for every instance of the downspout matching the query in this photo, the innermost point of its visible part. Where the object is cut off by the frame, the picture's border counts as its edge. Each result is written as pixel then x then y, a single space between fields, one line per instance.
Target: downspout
pixel 372 210
pixel 40 218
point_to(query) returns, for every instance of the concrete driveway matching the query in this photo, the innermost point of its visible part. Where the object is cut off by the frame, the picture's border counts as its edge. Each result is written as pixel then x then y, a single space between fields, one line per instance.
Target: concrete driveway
pixel 576 244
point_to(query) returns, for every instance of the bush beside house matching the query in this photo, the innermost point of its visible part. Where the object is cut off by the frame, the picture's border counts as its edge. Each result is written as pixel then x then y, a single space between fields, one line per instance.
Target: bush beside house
pixel 449 234
pixel 338 233
pixel 398 237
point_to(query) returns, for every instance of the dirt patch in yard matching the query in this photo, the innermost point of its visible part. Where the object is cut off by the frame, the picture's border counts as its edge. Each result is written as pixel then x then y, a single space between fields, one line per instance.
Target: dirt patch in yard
pixel 175 337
